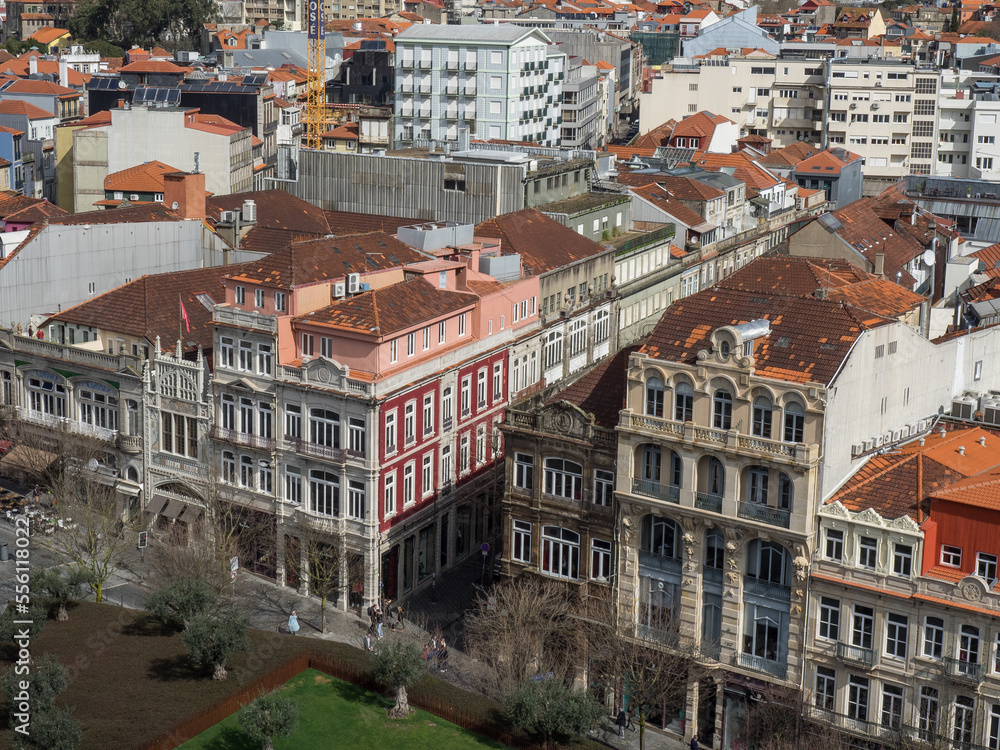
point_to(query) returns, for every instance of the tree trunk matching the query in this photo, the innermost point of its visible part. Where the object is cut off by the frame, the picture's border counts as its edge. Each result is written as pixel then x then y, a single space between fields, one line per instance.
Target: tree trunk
pixel 642 731
pixel 62 615
pixel 322 609
pixel 98 591
pixel 268 744
pixel 402 708
pixel 220 672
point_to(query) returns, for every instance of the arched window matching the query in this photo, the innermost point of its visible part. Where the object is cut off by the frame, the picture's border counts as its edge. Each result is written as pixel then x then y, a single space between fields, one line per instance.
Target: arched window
pixel 563 478
pixel 722 410
pixel 724 348
pixel 554 350
pixel 683 402
pixel 757 485
pixel 660 537
pixel 784 492
pixel 794 422
pixel 560 552
pixel 716 477
pixel 654 397
pixel 228 467
pixel 246 472
pixel 762 415
pixel 651 463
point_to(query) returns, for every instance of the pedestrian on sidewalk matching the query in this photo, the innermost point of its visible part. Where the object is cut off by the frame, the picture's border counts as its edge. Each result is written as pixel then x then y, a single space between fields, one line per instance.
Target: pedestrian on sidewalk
pixel 368 642
pixel 434 653
pixel 621 721
pixel 378 622
pixel 694 743
pixel 443 656
pixel 293 623
pixel 399 618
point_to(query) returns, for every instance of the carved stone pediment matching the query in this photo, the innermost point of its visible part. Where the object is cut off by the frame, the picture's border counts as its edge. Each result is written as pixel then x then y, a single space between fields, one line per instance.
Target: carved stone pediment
pixel 835 510
pixel 972 588
pixel 870 516
pixel 903 523
pixel 567 420
pixel 326 372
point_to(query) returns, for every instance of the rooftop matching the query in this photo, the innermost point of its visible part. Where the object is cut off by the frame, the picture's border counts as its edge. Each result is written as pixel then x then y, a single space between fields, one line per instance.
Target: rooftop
pixel 543 243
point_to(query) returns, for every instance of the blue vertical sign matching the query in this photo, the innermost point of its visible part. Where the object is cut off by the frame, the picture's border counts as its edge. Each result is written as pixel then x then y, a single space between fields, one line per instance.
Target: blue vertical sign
pixel 316 27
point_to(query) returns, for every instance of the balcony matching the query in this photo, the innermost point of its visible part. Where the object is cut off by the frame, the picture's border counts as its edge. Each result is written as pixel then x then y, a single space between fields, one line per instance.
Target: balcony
pixel 425 88
pixel 713 575
pixel 306 448
pixel 406 88
pixel 705 501
pixel 659 562
pixel 241 438
pixel 446 424
pixel 649 488
pixel 452 65
pixel 451 90
pixel 862 657
pixel 660 425
pixel 763 445
pixel 470 90
pixel 764 514
pixel 425 64
pixel 130 443
pixel 470 65
pixel 407 63
pixel 760 587
pixel 964 671
pixel 760 664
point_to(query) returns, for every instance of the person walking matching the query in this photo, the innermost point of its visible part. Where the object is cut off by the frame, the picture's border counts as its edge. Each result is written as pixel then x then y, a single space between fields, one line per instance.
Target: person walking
pixel 694 743
pixel 293 623
pixel 621 721
pixel 443 656
pixel 368 642
pixel 399 618
pixel 378 619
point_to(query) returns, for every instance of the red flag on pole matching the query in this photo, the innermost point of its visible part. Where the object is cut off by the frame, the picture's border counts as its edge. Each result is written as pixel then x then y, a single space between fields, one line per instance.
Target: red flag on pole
pixel 184 314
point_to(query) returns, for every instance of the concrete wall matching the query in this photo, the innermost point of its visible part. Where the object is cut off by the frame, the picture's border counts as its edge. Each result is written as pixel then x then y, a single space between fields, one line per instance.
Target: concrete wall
pixel 90 167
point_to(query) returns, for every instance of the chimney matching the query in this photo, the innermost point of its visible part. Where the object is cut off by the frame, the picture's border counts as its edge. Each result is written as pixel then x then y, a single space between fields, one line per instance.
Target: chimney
pixel 821 294
pixel 33 65
pixel 943 432
pixel 64 74
pixel 880 264
pixel 982 441
pixel 961 450
pixel 184 192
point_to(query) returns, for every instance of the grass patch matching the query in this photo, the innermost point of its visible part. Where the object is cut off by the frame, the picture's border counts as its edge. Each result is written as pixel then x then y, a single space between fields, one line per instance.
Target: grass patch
pixel 331 708
pixel 131 679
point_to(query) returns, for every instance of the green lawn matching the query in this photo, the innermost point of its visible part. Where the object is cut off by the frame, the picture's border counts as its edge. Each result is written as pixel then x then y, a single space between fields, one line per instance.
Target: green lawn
pixel 336 713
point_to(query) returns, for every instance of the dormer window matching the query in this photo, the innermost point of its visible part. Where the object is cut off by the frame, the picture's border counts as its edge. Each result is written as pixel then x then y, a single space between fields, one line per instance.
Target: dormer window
pixel 724 348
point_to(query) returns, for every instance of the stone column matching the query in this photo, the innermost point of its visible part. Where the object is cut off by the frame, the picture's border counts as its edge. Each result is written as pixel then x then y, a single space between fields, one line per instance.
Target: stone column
pixel 691 711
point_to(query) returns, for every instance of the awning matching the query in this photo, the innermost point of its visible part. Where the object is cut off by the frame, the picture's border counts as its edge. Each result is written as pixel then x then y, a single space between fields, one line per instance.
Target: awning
pixel 156 504
pixel 190 514
pixel 173 509
pixel 29 460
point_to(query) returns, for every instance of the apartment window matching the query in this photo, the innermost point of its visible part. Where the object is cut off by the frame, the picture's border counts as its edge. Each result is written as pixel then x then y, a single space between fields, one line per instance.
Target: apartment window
pixel 408 496
pixel 410 423
pixel 326 346
pixel 859 118
pixel 553 350
pixel 307 345
pixel 926 108
pixel 446 408
pixel 986 139
pixel 923 129
pixel 293 421
pixel 228 467
pixel 984 162
pixel 892 706
pixel 324 493
pixel 481 444
pixel 279 301
pixel 463 455
pixel 901 118
pixel 446 465
pixel 757 486
pixel 265 420
pixel 393 351
pixel 933 637
pixel 390 432
pixel 428 414
pixel 521 542
pixel 578 337
pixel 655 393
pixel 857 698
pixel 986 566
pixel 246 416
pixel 258 298
pixel 461 324
pixel 868 552
pixel 897 629
pixel 927 713
pixel 826 688
pixel 241 295
pixel 426 475
pixel 481 388
pixel 560 552
pixel 524 471
pixel 902 559
pixel 604 487
pixel 497 381
pixel 964 720
pixel 410 344
pixel 829 618
pixel 293 485
pixel 466 395
pixel 762 416
pixel 722 410
pixel 951 556
pixel 324 428
pixel 357 435
pixel 442 332
pixel 246 356
pixel 834 545
pixel 389 495
pixel 863 627
pixel 264 359
pixel 926 86
pixel 683 402
pixel 427 338
pixel 602 326
pixel 563 478
pixel 600 560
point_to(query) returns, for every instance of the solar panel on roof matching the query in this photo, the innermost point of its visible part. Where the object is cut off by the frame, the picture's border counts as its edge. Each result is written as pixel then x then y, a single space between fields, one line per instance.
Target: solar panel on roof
pixel 103 84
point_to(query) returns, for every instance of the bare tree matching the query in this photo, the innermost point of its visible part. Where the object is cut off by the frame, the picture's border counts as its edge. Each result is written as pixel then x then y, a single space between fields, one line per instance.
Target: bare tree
pixel 328 563
pixel 775 721
pixel 523 628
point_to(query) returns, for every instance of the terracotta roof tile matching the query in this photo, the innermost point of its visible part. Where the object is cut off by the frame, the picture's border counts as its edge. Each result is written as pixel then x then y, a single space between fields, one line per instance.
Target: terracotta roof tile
pixel 16 107
pixel 348 222
pixel 151 66
pixel 601 391
pixel 276 209
pixel 11 204
pixel 128 215
pixel 329 258
pixel 38 212
pixel 544 243
pixel 390 309
pixel 48 34
pixel 144 178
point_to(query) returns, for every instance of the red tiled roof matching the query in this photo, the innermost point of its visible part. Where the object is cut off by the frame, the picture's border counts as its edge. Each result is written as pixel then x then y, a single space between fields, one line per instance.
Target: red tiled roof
pixel 601 391
pixel 144 178
pixel 38 212
pixel 665 201
pixel 48 34
pixel 346 132
pixel 825 162
pixel 329 258
pixel 348 222
pixel 544 243
pixel 276 209
pixel 390 309
pixel 16 107
pixel 808 342
pixel 11 204
pixel 129 215
pixel 151 66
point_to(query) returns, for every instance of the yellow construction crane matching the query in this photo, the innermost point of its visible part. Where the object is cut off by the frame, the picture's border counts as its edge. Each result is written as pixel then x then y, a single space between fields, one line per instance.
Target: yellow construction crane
pixel 315 119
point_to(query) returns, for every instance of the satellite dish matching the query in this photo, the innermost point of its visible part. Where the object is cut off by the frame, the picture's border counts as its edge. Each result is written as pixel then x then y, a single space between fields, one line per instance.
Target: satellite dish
pixel 174 205
pixel 928 257
pixel 92 464
pixel 121 84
